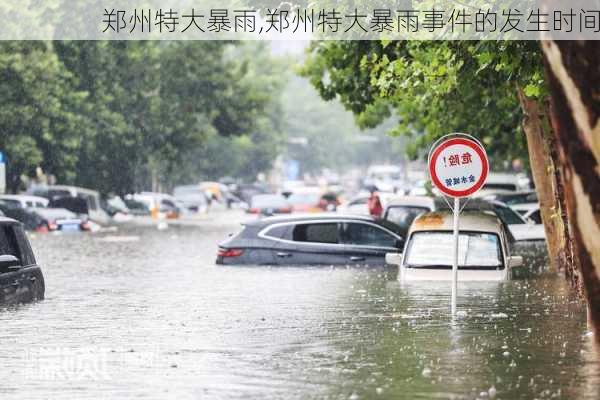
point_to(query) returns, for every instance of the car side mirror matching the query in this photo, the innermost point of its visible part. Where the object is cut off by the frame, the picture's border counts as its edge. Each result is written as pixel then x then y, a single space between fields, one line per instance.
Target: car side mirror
pixel 393 259
pixel 8 260
pixel 515 261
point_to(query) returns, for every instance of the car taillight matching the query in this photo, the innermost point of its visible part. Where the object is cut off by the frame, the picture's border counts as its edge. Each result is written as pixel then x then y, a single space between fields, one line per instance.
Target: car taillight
pixel 254 211
pixel 85 226
pixel 52 226
pixel 42 229
pixel 285 210
pixel 230 252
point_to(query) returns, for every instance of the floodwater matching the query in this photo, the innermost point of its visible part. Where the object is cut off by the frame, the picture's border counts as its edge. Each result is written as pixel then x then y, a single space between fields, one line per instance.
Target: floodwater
pixel 145 313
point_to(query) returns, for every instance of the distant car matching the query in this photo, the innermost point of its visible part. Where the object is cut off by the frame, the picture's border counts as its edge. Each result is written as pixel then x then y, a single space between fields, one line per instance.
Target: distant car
pixel 21 279
pixel 269 204
pixel 159 203
pixel 513 198
pixel 46 219
pixel 137 208
pixel 484 251
pixel 24 201
pixel 530 212
pixel 327 239
pixel 503 183
pixel 386 178
pixel 358 204
pixel 91 197
pixel 192 197
pixel 314 201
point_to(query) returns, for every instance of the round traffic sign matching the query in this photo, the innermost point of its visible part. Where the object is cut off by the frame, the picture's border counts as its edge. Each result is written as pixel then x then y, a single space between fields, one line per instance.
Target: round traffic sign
pixel 458 166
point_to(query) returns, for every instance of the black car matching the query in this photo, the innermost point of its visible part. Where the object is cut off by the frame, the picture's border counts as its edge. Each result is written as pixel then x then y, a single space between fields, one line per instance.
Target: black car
pixel 21 279
pixel 312 240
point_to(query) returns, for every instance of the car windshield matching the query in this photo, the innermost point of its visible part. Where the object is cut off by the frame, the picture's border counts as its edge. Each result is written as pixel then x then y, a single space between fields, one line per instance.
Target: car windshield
pixel 435 249
pixel 268 201
pixel 403 216
pixel 508 215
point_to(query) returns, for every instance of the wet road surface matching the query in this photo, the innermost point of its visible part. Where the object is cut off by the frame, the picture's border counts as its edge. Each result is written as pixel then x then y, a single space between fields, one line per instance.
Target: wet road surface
pixel 142 313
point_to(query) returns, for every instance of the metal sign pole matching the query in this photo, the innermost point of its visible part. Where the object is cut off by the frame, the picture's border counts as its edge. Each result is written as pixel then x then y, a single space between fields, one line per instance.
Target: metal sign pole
pixel 455 259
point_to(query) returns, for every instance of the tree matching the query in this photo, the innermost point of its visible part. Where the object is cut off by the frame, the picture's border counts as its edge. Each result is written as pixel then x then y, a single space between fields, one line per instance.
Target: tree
pixel 574 79
pixel 38 121
pixel 485 88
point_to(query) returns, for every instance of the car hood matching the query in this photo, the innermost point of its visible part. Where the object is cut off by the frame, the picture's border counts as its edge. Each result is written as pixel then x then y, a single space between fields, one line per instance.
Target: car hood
pixel 424 274
pixel 528 232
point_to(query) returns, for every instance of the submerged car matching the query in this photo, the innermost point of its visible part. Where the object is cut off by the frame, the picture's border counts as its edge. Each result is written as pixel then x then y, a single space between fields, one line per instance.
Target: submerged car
pixel 326 239
pixel 269 204
pixel 23 201
pixel 313 201
pixel 484 251
pixel 46 219
pixel 192 197
pixel 21 279
pixel 91 198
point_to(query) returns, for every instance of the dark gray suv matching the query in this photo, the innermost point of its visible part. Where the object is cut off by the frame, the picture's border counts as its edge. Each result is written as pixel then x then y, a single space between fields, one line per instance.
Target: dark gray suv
pixel 312 240
pixel 21 279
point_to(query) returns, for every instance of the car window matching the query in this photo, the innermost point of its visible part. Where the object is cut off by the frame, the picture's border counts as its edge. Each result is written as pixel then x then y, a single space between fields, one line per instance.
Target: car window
pixel 508 215
pixel 536 217
pixel 279 232
pixel 403 216
pixel 27 257
pixel 167 203
pixel 356 233
pixel 8 242
pixel 316 233
pixel 358 202
pixel 435 249
pixel 11 202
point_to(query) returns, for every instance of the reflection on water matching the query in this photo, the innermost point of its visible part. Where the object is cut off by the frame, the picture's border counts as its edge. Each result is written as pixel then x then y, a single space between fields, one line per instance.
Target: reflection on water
pixel 146 313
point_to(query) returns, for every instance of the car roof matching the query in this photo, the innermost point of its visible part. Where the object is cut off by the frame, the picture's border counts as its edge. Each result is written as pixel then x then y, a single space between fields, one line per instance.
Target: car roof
pixel 9 221
pixel 23 197
pixel 75 188
pixel 469 221
pixel 502 177
pixel 439 203
pixel 415 201
pixel 309 218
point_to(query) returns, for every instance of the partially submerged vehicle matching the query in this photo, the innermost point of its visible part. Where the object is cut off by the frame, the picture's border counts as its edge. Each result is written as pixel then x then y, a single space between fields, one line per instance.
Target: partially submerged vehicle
pixel 484 250
pixel 326 239
pixel 24 201
pixel 269 204
pixel 90 197
pixel 192 197
pixel 21 279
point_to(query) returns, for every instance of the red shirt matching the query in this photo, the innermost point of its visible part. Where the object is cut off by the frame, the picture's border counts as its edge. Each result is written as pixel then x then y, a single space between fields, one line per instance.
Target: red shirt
pixel 375 207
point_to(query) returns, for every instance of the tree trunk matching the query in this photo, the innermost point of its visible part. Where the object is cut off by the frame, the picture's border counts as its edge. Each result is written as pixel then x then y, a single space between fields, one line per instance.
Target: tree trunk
pixel 541 166
pixel 573 74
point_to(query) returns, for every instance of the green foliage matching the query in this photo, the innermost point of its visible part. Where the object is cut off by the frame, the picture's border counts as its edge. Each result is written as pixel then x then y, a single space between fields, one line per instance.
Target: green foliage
pixel 108 115
pixel 434 87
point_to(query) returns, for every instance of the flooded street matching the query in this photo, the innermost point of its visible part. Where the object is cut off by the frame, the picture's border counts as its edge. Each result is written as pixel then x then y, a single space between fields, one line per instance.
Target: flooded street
pixel 145 313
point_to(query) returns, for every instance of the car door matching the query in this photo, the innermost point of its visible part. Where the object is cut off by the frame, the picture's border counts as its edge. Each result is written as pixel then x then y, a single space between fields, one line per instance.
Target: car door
pixel 367 243
pixel 12 278
pixel 311 243
pixel 32 279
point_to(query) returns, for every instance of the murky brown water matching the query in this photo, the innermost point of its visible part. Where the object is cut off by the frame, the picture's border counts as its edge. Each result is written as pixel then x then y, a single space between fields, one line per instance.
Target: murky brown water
pixel 155 318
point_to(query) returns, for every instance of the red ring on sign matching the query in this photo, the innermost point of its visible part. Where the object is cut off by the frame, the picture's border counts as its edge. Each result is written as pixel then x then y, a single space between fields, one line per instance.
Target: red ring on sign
pixel 484 167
